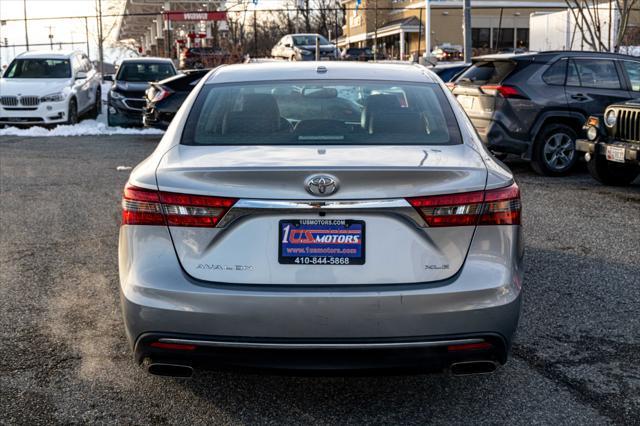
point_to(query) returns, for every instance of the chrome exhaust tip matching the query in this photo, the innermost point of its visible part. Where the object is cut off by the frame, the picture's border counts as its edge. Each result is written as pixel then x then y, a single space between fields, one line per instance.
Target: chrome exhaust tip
pixel 169 370
pixel 466 368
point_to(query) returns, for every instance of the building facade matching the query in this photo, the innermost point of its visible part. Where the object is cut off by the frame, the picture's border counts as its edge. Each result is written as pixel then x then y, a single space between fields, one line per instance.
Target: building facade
pixel 399 25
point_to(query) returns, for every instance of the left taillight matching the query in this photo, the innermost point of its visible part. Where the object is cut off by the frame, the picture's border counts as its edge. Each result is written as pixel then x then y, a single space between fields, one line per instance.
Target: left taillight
pixel 504 91
pixel 141 206
pixel 493 207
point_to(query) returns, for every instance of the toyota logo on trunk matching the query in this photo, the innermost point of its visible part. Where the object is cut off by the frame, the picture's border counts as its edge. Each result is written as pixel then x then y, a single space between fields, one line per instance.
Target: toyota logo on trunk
pixel 321 185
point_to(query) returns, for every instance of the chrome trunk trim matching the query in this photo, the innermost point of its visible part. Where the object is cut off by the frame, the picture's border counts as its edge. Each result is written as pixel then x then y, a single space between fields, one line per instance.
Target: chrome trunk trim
pixel 249 207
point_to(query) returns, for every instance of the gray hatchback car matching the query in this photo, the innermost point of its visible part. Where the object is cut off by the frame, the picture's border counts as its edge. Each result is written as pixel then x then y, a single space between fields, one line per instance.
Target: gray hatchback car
pixel 321 216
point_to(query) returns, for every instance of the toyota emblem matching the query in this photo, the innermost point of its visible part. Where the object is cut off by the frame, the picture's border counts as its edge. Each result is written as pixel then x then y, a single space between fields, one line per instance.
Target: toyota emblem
pixel 321 185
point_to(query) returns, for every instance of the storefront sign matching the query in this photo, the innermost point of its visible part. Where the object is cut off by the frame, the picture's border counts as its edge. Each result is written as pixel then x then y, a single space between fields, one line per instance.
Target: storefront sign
pixel 196 16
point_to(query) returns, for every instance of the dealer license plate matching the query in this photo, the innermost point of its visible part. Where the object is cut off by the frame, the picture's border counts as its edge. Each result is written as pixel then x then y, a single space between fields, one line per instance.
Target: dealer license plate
pixel 321 242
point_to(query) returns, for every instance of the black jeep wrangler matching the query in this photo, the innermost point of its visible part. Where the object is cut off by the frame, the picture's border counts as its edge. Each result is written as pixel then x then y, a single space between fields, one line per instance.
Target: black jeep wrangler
pixel 612 147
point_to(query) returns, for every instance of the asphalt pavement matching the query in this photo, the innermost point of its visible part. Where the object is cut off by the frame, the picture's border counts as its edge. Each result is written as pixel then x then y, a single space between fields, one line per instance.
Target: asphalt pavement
pixel 64 357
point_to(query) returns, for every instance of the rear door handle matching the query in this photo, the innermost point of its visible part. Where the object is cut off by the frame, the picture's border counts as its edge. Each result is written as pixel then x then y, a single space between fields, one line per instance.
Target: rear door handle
pixel 579 97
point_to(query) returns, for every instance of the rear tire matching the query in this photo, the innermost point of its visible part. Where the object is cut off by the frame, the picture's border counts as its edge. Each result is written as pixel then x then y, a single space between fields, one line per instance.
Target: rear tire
pixel 609 173
pixel 554 151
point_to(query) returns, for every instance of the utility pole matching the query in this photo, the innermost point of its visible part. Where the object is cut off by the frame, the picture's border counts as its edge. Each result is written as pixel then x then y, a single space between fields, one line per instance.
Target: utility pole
pixel 86 33
pixel 100 40
pixel 255 33
pixel 427 29
pixel 467 31
pixel 50 38
pixel 375 33
pixel 26 31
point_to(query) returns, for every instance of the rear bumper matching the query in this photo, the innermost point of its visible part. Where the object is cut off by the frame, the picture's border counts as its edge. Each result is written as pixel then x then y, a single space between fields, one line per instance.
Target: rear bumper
pixel 160 300
pixel 417 354
pixel 498 139
pixel 631 151
pixel 156 119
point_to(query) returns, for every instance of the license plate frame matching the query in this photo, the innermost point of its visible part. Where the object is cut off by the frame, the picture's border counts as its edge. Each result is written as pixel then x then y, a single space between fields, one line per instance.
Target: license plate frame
pixel 337 227
pixel 615 153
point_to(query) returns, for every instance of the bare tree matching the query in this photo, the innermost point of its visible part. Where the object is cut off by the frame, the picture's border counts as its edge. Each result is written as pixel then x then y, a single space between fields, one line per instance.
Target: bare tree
pixel 305 11
pixel 588 16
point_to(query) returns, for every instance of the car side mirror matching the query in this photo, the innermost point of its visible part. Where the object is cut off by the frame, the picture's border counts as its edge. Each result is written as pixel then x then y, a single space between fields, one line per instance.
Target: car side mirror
pixel 287 45
pixel 81 75
pixel 108 77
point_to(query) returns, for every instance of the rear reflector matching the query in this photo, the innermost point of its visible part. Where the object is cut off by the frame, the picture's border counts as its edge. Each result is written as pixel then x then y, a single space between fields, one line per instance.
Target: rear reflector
pixel 173 346
pixel 148 207
pixel 469 347
pixel 494 207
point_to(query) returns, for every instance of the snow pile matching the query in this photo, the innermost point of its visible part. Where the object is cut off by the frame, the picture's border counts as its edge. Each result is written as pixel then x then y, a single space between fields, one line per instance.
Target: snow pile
pixel 96 127
pixel 83 128
pixel 630 50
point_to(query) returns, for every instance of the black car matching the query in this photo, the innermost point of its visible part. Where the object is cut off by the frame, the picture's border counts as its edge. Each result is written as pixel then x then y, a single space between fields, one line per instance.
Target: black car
pixel 612 147
pixel 534 105
pixel 359 54
pixel 127 95
pixel 449 72
pixel 165 97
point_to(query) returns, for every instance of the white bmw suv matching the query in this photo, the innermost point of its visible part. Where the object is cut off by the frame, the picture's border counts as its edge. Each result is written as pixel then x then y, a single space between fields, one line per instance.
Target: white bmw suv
pixel 49 88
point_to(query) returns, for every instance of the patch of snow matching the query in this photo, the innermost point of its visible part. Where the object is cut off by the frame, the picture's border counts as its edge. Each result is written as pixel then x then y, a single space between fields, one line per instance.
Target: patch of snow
pixel 97 127
pixel 630 50
pixel 123 168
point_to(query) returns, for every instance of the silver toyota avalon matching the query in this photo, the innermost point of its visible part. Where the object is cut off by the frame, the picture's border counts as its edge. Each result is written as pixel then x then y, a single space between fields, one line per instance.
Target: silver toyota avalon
pixel 331 216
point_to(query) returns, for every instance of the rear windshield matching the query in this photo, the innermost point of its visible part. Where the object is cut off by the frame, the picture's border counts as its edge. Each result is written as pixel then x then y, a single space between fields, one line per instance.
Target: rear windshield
pixel 147 71
pixel 487 72
pixel 321 112
pixel 38 68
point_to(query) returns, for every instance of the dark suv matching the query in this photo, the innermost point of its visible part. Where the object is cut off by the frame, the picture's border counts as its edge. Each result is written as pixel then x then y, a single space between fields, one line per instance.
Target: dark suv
pixel 535 105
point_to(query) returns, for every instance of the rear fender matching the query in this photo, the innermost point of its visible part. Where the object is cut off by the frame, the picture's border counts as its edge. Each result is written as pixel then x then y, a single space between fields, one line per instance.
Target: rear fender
pixel 555 116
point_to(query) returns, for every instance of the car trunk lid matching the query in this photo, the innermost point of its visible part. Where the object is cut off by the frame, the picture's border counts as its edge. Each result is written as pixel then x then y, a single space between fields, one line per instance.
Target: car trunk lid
pixel 269 184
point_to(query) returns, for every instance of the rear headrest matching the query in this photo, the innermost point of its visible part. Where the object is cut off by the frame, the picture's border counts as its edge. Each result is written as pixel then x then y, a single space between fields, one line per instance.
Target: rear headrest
pixel 248 123
pixel 376 103
pixel 404 122
pixel 261 103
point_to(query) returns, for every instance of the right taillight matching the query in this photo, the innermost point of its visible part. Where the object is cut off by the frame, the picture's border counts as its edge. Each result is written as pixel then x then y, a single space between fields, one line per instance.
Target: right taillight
pixel 142 206
pixel 493 207
pixel 161 94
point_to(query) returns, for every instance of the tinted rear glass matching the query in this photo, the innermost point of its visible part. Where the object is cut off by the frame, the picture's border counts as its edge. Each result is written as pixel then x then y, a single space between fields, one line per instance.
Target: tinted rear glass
pixel 321 112
pixel 488 72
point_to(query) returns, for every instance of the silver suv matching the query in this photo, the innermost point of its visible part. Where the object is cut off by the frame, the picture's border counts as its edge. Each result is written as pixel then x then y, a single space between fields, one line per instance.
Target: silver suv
pixel 302 47
pixel 270 230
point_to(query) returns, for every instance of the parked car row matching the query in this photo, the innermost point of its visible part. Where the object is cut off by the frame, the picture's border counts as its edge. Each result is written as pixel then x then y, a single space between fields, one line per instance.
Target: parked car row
pixel 535 105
